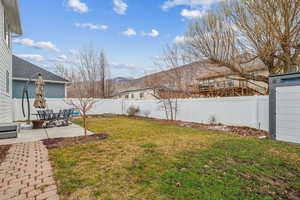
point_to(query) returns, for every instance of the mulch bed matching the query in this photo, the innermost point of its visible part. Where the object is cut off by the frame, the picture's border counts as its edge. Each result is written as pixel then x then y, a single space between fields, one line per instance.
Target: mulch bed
pixel 3 152
pixel 241 131
pixel 54 143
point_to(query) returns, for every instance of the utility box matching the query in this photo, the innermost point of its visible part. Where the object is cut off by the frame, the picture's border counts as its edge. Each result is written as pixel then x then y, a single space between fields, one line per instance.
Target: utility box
pixel 284 107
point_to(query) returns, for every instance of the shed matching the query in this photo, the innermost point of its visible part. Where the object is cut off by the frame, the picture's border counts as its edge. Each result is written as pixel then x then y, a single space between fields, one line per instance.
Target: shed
pixel 22 70
pixel 284 106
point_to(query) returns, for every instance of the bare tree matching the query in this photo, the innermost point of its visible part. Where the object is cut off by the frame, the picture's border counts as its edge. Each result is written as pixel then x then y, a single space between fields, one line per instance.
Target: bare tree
pixel 84 101
pixel 246 33
pixel 105 83
pixel 84 82
pixel 169 85
pixel 92 64
pixel 89 69
pixel 61 70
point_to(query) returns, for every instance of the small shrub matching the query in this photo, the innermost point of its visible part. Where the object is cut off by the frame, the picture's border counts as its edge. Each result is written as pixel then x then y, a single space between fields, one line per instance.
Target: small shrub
pixel 146 113
pixel 212 119
pixel 133 110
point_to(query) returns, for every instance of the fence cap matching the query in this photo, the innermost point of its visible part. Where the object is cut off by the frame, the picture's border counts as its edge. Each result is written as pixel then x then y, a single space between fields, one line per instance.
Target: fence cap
pixel 285 74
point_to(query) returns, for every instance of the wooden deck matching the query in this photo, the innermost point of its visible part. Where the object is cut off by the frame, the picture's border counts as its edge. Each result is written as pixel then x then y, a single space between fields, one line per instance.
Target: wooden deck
pixel 243 88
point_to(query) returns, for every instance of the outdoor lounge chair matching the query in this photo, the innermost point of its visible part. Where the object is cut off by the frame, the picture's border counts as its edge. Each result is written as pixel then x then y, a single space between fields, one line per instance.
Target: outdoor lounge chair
pixel 48 117
pixel 64 116
pixel 52 119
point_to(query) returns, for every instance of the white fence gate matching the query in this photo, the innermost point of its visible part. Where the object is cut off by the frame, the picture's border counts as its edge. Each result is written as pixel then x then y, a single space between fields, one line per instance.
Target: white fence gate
pixel 252 111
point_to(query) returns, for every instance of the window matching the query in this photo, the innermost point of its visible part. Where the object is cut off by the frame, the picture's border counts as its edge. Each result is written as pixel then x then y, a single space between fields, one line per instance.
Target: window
pixel 126 96
pixel 7 82
pixel 141 95
pixel 132 96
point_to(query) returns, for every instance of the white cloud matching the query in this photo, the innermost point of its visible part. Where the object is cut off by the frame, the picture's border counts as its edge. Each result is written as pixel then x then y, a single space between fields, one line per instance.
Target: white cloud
pixel 123 66
pixel 92 26
pixel 191 3
pixel 179 39
pixel 78 6
pixel 120 7
pixel 74 51
pixel 34 57
pixel 40 45
pixel 191 14
pixel 129 32
pixel 63 59
pixel 153 33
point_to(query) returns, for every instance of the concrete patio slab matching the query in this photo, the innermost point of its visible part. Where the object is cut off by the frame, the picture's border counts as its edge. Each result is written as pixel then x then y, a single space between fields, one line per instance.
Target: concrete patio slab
pixel 40 134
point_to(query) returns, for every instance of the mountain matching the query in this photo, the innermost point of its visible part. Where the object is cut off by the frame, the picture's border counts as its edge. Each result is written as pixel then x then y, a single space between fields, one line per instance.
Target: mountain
pixel 184 75
pixel 121 79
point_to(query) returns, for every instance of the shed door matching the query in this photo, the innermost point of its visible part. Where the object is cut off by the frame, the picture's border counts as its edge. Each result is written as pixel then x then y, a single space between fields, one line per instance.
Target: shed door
pixel 288 114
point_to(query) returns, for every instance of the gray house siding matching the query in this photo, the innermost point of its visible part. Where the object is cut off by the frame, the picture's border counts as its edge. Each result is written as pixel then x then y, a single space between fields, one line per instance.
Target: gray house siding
pixel 52 90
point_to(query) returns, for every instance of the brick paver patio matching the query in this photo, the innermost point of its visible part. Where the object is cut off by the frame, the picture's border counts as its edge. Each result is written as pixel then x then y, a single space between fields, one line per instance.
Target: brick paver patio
pixel 26 174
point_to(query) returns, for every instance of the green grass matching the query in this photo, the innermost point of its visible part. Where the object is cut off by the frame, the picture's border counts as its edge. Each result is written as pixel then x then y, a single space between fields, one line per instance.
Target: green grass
pixel 151 160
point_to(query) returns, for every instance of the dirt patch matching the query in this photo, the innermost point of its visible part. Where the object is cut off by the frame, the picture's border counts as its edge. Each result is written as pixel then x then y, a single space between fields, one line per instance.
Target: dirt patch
pixel 3 152
pixel 290 193
pixel 242 131
pixel 54 143
pixel 284 153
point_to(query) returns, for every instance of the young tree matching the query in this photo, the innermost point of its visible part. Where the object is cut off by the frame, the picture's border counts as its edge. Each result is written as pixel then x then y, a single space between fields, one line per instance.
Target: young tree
pixel 170 84
pixel 83 101
pixel 248 32
pixel 84 82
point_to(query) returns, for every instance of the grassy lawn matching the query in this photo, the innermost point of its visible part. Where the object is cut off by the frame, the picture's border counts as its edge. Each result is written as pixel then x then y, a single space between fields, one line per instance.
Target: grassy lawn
pixel 151 160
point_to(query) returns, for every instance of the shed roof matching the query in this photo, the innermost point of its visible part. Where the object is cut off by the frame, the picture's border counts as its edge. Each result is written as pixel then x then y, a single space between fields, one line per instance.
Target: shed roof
pixel 24 70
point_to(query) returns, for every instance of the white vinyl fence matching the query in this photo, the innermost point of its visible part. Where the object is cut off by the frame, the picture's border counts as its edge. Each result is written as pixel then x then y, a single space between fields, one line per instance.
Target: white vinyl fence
pixel 252 111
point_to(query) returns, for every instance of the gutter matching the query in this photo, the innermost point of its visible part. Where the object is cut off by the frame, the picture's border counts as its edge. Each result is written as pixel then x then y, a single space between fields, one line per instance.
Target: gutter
pixel 47 81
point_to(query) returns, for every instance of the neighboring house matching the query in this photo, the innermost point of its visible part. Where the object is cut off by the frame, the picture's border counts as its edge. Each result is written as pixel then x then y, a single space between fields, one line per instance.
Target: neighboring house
pixel 136 94
pixel 22 70
pixel 220 82
pixel 150 93
pixel 10 24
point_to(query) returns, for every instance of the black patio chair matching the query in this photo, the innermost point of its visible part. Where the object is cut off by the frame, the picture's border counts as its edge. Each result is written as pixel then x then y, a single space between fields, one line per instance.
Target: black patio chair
pixel 41 115
pixel 50 118
pixel 69 115
pixel 65 116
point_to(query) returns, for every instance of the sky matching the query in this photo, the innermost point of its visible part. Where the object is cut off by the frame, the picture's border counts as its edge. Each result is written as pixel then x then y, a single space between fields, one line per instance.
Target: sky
pixel 132 33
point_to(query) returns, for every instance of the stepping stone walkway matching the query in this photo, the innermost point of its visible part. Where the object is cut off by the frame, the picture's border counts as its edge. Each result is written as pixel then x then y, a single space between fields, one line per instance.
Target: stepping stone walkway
pixel 26 173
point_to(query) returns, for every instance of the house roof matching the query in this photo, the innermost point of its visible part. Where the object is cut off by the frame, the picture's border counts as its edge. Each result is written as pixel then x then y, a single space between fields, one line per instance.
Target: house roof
pixel 22 69
pixel 11 8
pixel 134 90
